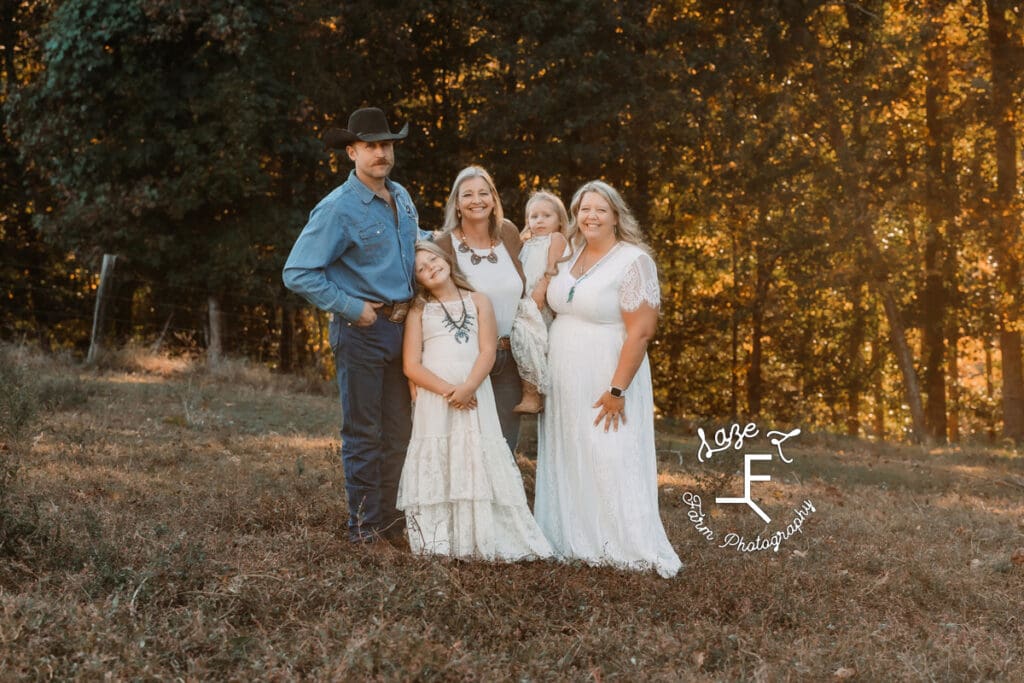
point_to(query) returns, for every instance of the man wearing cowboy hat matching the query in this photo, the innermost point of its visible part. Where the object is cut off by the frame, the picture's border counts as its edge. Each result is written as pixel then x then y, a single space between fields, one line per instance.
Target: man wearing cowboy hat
pixel 355 258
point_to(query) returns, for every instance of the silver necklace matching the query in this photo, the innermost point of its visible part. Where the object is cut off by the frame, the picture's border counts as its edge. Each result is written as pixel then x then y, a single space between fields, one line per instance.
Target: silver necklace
pixel 476 258
pixel 461 329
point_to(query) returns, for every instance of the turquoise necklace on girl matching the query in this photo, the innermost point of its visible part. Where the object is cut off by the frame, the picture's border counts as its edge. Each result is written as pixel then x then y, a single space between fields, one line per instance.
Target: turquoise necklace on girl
pixel 460 329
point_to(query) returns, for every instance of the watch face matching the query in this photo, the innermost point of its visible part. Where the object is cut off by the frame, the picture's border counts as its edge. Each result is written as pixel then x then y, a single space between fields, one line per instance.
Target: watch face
pixel 616 392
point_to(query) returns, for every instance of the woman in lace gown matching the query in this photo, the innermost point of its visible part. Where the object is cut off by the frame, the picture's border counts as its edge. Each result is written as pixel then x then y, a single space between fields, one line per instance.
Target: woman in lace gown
pixel 597 477
pixel 461 490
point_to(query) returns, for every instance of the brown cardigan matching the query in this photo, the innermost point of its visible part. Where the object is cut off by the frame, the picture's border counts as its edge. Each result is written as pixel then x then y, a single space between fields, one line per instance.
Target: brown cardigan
pixel 509 236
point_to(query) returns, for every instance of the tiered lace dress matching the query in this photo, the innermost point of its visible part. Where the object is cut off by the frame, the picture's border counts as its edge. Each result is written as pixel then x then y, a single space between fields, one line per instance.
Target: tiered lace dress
pixel 461 490
pixel 597 491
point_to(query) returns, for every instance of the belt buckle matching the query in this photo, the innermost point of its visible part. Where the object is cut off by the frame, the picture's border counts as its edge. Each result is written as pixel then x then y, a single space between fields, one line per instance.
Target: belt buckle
pixel 398 312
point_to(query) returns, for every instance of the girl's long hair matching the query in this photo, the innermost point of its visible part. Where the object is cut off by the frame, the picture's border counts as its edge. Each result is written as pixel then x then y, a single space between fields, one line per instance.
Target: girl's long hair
pixel 422 293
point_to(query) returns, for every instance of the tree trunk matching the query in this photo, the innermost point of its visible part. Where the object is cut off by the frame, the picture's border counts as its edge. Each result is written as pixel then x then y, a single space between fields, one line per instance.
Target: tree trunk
pixel 1013 380
pixel 215 343
pixel 897 329
pixel 158 344
pixel 284 362
pixel 1005 219
pixel 939 196
pixel 735 340
pixel 905 360
pixel 303 358
pixel 755 383
pixel 99 318
pixel 855 379
pixel 877 364
pixel 953 382
pixel 123 308
pixel 990 391
pixel 855 210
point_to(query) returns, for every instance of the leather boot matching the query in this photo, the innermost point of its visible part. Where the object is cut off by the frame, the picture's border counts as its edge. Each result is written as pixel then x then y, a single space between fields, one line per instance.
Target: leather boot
pixel 533 400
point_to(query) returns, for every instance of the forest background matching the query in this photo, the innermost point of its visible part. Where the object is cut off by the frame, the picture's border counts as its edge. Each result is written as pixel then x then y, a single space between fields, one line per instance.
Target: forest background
pixel 831 189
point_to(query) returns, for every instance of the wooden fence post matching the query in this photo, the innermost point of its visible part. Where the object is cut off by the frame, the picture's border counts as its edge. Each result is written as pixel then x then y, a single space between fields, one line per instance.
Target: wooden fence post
pixel 215 348
pixel 99 316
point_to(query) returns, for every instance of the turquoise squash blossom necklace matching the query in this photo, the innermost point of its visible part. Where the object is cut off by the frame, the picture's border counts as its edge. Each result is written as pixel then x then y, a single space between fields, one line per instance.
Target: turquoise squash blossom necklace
pixel 461 328
pixel 584 276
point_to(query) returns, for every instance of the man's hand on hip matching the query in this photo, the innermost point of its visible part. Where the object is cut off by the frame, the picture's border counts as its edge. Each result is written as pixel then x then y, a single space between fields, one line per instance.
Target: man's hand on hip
pixel 369 314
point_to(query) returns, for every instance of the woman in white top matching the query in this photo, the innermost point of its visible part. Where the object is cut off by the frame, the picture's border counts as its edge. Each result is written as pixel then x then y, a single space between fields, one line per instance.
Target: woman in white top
pixel 486 246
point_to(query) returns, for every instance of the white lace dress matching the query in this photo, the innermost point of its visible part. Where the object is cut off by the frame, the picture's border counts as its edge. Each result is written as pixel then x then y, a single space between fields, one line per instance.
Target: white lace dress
pixel 530 329
pixel 534 257
pixel 597 491
pixel 461 490
pixel 529 336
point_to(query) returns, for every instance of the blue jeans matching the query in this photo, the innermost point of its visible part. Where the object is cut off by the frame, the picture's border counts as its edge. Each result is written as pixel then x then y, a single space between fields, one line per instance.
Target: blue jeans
pixel 508 392
pixel 375 425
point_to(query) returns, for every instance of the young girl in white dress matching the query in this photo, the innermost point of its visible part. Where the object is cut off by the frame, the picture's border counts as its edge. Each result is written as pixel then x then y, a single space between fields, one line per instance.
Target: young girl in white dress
pixel 461 490
pixel 544 244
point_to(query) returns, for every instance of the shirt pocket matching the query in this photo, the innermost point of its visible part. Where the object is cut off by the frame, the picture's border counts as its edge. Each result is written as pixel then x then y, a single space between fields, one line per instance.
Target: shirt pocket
pixel 407 207
pixel 373 239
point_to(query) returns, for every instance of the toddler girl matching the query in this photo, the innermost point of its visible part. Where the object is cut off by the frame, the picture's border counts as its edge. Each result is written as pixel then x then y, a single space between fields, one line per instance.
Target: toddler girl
pixel 544 245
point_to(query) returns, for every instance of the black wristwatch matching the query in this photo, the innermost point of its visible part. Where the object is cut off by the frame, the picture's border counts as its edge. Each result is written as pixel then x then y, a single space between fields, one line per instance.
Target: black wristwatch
pixel 617 392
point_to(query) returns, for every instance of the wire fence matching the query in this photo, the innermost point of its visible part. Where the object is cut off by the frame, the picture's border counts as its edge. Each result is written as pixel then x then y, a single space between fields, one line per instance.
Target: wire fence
pixel 251 319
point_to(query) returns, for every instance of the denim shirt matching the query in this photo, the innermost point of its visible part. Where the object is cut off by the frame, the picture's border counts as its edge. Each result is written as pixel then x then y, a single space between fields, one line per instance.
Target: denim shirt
pixel 353 250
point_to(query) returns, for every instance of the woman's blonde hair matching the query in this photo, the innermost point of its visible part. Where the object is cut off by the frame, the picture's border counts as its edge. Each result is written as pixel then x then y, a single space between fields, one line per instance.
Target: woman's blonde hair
pixel 626 227
pixel 422 293
pixel 452 219
pixel 545 196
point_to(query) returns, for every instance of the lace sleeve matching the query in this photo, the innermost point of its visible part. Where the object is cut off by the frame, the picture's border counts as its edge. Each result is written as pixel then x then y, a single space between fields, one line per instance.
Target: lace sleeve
pixel 640 285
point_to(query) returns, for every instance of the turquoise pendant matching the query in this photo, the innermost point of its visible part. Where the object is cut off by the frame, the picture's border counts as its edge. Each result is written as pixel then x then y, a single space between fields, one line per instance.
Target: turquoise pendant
pixel 572 290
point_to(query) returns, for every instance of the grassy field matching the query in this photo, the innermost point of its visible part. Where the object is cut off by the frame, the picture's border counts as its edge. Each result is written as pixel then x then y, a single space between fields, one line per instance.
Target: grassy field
pixel 167 522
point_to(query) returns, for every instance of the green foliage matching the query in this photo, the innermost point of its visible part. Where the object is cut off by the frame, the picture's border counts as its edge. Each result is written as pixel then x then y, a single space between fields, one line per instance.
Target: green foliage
pixel 39 285
pixel 804 187
pixel 163 131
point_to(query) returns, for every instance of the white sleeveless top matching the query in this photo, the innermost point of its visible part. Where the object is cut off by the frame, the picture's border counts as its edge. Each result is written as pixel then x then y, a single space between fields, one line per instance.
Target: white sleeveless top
pixel 499 281
pixel 534 257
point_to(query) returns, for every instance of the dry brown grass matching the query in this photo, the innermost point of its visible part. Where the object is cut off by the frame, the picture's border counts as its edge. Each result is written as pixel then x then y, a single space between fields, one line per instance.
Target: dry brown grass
pixel 190 524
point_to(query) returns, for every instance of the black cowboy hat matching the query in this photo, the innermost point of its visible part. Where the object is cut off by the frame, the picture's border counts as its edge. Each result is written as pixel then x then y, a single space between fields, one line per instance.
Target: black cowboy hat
pixel 368 125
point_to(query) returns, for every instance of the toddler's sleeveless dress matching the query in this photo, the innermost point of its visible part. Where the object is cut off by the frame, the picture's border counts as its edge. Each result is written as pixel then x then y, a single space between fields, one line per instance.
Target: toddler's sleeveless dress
pixel 529 335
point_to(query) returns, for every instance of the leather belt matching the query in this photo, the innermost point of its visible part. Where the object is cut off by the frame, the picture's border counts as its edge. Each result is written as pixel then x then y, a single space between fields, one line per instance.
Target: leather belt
pixel 504 343
pixel 394 312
